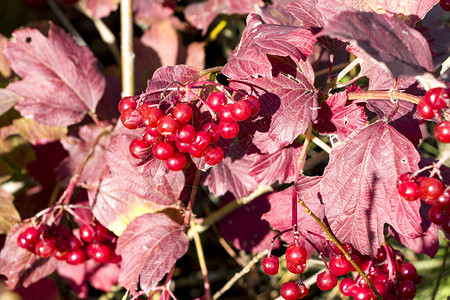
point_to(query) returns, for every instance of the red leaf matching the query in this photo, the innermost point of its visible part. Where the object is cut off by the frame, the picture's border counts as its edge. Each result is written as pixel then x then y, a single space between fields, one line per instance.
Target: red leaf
pixel 150 246
pixel 60 79
pixel 163 38
pixel 231 176
pixel 203 13
pixel 280 166
pixel 21 266
pixel 245 228
pixel 358 187
pixel 259 39
pixel 151 12
pixel 101 8
pixel 402 49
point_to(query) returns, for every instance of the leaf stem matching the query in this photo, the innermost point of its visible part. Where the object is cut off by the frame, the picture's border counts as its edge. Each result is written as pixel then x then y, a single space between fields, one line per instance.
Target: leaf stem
pixel 187 217
pixel 339 245
pixel 126 44
pixel 202 262
pixel 386 95
pixel 301 159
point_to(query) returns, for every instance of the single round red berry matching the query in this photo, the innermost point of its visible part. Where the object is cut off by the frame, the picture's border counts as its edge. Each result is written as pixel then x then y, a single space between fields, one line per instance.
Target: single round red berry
pixel 101 232
pixel 408 190
pixel 445 4
pixel 326 281
pixel 115 258
pixel 254 105
pixel 443 201
pixel 442 132
pixel 437 216
pixel 347 286
pixel 363 293
pixel 339 265
pixel 228 130
pixel 225 114
pixel 194 152
pixel 139 148
pixel 76 257
pixel 176 162
pixel 381 254
pixel 436 98
pixel 186 133
pixel 303 289
pixel 45 247
pixel 424 110
pixel 290 291
pixel 182 112
pixel 23 243
pixel 241 110
pixel 74 243
pixel 150 139
pixel 407 271
pixel 98 252
pixel 31 235
pixel 182 147
pixel 153 131
pixel 214 155
pixel 163 150
pixel 213 130
pixel 202 140
pixel 150 114
pixel 131 119
pixel 430 188
pixel 407 289
pixel 127 102
pixel 60 255
pixel 168 125
pixel 294 268
pixel 216 101
pixel 270 265
pixel 296 254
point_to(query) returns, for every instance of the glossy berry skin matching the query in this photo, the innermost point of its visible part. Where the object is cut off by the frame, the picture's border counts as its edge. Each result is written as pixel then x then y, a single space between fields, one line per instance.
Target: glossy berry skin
pixel 202 140
pixel 339 265
pixel 182 112
pixel 406 289
pixel 430 188
pixel 31 235
pixel 60 255
pixel 303 289
pixel 363 293
pixel 216 101
pixel 163 150
pixel 127 102
pixel 168 125
pixel 194 152
pixel 254 104
pixel 294 268
pixel 214 155
pixel 23 243
pixel 296 254
pixel 131 119
pixel 289 291
pixel 241 110
pixel 225 114
pixel 407 271
pixel 408 190
pixel 436 98
pixel 139 148
pixel 228 130
pixel 98 252
pixel 326 281
pixel 437 216
pixel 150 114
pixel 445 4
pixel 76 257
pixel 176 162
pixel 213 130
pixel 443 201
pixel 74 243
pixel 270 265
pixel 442 132
pixel 424 110
pixel 347 286
pixel 186 133
pixel 101 232
pixel 150 139
pixel 182 147
pixel 45 247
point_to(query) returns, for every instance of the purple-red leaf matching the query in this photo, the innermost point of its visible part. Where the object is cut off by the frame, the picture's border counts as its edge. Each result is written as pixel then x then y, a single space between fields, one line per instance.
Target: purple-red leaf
pixel 402 49
pixel 100 8
pixel 249 58
pixel 151 12
pixel 358 187
pixel 163 39
pixel 150 246
pixel 21 266
pixel 203 13
pixel 231 176
pixel 60 79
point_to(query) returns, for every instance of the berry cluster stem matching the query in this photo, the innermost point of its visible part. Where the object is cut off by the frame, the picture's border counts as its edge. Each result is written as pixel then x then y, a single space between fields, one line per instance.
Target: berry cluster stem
pixel 339 245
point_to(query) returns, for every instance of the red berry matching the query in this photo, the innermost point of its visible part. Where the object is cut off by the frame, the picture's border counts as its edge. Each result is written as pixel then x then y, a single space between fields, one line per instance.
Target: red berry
pixel 153 131
pixel 31 235
pixel 303 289
pixel 150 139
pixel 381 254
pixel 176 162
pixel 101 232
pixel 270 265
pixel 296 254
pixel 289 291
pixel 45 247
pixel 437 216
pixel 150 114
pixel 228 130
pixel 60 255
pixel 62 245
pixel 446 225
pixel 424 110
pixel 407 271
pixel 436 98
pixel 186 133
pixel 241 110
pixel 430 188
pixel 254 105
pixel 442 132
pixel 131 119
pixel 225 114
pixel 23 243
pixel 213 130
pixel 407 289
pixel 127 102
pixel 347 286
pixel 326 281
pixel 339 265
pixel 202 140
pixel 168 125
pixel 294 268
pixel 139 148
pixel 163 150
pixel 363 293
pixel 408 190
pixel 444 200
pixel 216 101
pixel 445 4
pixel 194 152
pixel 182 112
pixel 74 243
pixel 76 257
pixel 99 252
pixel 182 147
pixel 214 155
pixel 115 258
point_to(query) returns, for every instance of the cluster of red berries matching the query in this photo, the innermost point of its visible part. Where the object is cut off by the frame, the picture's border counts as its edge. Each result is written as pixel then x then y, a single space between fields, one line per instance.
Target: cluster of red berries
pixel 435 104
pixel 95 242
pixel 168 136
pixel 432 191
pixel 445 4
pixel 296 264
pixel 392 277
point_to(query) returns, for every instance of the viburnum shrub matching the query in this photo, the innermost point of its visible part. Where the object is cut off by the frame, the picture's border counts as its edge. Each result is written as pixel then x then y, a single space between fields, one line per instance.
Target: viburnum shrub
pixel 317 153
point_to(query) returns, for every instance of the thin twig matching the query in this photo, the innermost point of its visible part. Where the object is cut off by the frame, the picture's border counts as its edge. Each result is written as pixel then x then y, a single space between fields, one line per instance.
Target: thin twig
pixel 441 273
pixel 66 22
pixel 301 159
pixel 321 144
pixel 348 68
pixel 387 95
pixel 239 275
pixel 126 44
pixel 202 262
